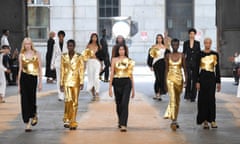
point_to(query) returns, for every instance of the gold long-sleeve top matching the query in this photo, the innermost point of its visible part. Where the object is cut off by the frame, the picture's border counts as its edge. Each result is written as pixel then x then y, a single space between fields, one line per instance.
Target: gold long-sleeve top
pixel 72 70
pixel 87 54
pixel 208 63
pixel 124 68
pixel 30 66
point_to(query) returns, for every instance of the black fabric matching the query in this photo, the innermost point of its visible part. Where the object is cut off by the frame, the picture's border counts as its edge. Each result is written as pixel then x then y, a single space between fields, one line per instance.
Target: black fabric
pixel 206 95
pixel 49 72
pixel 28 87
pixel 192 59
pixel 159 72
pixel 122 90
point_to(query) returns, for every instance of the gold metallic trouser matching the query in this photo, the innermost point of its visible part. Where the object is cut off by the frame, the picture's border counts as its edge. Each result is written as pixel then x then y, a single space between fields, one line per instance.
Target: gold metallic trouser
pixel 174 92
pixel 71 105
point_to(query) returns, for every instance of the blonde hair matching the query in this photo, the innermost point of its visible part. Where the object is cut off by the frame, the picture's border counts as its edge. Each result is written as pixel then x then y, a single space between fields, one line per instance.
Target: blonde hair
pixel 208 38
pixel 23 49
pixel 52 34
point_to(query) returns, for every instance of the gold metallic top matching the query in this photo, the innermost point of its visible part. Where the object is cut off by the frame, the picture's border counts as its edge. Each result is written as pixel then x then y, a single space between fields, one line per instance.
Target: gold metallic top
pixel 87 54
pixel 124 68
pixel 175 71
pixel 208 63
pixel 30 66
pixel 72 70
pixel 154 52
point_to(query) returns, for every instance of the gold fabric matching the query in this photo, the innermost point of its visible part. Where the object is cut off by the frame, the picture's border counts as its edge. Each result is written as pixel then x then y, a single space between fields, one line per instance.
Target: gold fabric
pixel 71 105
pixel 208 63
pixel 154 52
pixel 30 66
pixel 72 70
pixel 87 54
pixel 124 68
pixel 175 86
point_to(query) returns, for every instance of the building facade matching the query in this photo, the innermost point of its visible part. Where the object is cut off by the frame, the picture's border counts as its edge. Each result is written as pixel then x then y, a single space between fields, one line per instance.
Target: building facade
pixel 80 18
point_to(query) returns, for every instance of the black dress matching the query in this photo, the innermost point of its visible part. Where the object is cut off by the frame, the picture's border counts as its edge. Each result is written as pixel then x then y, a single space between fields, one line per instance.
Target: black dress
pixel 208 77
pixel 50 73
pixel 192 58
pixel 159 72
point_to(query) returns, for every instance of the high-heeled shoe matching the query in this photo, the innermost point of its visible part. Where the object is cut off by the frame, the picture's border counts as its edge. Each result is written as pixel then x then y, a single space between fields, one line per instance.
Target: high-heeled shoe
pixel 123 129
pixel 28 127
pixel 173 126
pixel 214 125
pixel 34 120
pixel 205 125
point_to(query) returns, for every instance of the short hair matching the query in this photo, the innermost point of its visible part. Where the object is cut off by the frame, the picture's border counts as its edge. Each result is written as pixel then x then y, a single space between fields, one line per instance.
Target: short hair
pixel 104 30
pixel 61 32
pixel 192 30
pixel 71 41
pixel 175 40
pixel 4 31
pixel 207 38
pixel 5 47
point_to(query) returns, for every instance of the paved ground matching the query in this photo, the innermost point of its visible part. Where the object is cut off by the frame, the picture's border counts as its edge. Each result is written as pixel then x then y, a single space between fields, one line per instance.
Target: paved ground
pixel 98 121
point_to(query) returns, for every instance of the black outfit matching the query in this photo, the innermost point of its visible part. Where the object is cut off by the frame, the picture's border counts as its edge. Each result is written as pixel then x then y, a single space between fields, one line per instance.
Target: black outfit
pixel 159 72
pixel 28 96
pixel 192 58
pixel 106 60
pixel 6 63
pixel 122 89
pixel 235 72
pixel 206 96
pixel 14 69
pixel 50 73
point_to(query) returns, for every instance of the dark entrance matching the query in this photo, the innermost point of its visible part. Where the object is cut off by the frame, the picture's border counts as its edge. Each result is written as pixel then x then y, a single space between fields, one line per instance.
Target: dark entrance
pixel 179 18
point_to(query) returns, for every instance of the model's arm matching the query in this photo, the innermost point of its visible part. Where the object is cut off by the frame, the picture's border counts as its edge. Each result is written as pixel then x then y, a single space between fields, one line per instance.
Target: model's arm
pixel 81 69
pixel 111 77
pixel 62 73
pixel 19 71
pixel 39 71
pixel 166 70
pixel 54 55
pixel 184 69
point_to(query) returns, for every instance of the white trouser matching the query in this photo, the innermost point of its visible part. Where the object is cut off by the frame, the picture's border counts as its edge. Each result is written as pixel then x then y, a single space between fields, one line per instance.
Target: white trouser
pixel 2 83
pixel 93 70
pixel 60 94
pixel 238 91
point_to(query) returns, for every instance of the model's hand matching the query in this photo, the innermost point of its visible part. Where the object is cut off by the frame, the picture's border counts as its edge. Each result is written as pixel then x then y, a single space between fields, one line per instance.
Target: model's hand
pixel 61 88
pixel 218 87
pixel 52 67
pixel 81 87
pixel 133 93
pixel 198 86
pixel 8 71
pixel 184 84
pixel 40 86
pixel 110 92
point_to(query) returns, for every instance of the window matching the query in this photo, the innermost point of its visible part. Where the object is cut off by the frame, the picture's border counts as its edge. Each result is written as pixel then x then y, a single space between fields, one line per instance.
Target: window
pixel 106 10
pixel 179 18
pixel 38 19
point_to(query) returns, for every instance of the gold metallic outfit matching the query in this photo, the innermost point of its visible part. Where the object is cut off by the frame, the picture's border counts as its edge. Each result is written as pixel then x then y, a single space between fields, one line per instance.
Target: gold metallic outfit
pixel 175 86
pixel 87 54
pixel 72 76
pixel 30 66
pixel 124 68
pixel 154 52
pixel 208 63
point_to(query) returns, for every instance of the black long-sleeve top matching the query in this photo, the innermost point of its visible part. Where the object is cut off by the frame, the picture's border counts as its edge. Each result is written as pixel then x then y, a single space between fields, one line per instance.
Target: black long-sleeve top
pixel 191 54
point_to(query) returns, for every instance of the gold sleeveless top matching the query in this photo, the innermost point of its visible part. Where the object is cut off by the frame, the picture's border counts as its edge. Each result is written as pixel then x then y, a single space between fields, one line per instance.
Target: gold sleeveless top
pixel 208 63
pixel 30 66
pixel 124 68
pixel 175 71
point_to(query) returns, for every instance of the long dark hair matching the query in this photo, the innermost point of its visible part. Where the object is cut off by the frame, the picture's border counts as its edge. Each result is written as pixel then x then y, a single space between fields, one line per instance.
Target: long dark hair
pixel 118 47
pixel 124 41
pixel 97 41
pixel 161 37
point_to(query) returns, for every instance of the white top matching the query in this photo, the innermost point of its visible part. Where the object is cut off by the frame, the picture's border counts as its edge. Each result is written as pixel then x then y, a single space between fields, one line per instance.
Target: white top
pixel 4 40
pixel 57 53
pixel 161 55
pixel 237 59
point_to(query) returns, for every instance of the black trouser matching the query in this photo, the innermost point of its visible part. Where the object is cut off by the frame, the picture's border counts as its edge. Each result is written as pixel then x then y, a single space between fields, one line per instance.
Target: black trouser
pixel 159 72
pixel 14 70
pixel 122 89
pixel 106 69
pixel 235 73
pixel 191 91
pixel 28 86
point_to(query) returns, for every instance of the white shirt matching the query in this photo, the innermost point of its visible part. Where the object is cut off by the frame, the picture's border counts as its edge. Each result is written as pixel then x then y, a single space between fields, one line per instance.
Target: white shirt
pixel 57 53
pixel 4 40
pixel 237 59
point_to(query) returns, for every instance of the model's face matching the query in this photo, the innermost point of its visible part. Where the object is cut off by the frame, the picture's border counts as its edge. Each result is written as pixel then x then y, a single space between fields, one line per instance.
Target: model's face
pixel 94 38
pixel 120 39
pixel 192 35
pixel 207 44
pixel 61 37
pixel 175 46
pixel 70 47
pixel 121 51
pixel 28 45
pixel 159 39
